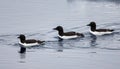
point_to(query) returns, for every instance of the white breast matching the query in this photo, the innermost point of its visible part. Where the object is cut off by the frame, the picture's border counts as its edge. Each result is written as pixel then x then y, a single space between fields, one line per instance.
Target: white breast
pixel 100 33
pixel 68 37
pixel 28 45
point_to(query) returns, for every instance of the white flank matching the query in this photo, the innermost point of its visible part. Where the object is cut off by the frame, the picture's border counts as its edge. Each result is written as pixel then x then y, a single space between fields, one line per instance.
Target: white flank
pixel 68 37
pixel 100 33
pixel 28 45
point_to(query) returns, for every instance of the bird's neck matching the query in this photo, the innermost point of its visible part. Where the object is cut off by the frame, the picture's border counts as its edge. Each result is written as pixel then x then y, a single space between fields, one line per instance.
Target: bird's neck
pixel 93 28
pixel 60 32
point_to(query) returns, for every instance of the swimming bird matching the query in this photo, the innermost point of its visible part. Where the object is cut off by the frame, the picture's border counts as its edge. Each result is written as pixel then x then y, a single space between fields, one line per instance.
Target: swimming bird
pixel 67 35
pixel 95 31
pixel 28 42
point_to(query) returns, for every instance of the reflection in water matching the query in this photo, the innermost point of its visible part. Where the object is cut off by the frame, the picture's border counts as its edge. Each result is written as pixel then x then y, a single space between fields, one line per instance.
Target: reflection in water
pixel 67 44
pixel 22 53
pixel 22 57
pixel 22 50
pixel 60 46
pixel 93 41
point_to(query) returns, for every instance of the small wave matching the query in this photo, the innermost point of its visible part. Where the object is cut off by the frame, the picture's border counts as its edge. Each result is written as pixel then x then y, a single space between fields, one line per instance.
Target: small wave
pixel 111 48
pixel 2 40
pixel 4 35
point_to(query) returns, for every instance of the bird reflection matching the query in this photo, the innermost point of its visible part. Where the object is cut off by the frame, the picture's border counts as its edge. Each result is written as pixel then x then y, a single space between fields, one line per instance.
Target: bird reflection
pixel 22 58
pixel 60 46
pixel 93 41
pixel 22 50
pixel 22 55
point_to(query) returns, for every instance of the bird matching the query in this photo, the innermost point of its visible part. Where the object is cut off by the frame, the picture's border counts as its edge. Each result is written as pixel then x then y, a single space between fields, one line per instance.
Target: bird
pixel 67 35
pixel 95 31
pixel 28 42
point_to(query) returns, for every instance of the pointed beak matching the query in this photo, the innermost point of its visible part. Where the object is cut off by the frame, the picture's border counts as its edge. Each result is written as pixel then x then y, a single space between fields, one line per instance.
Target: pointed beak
pixel 54 28
pixel 88 25
pixel 18 37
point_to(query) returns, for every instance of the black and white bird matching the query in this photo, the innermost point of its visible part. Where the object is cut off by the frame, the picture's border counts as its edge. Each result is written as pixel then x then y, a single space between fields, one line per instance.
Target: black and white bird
pixel 28 42
pixel 95 31
pixel 67 35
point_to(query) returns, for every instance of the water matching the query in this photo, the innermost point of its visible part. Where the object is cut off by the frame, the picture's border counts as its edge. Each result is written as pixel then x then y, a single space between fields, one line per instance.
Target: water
pixel 37 18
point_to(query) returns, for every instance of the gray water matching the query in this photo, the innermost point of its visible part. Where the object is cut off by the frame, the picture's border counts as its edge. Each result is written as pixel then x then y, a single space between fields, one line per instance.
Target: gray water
pixel 37 18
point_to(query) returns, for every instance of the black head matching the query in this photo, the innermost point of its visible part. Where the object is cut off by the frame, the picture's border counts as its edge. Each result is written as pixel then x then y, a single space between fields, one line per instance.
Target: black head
pixel 59 28
pixel 22 37
pixel 92 25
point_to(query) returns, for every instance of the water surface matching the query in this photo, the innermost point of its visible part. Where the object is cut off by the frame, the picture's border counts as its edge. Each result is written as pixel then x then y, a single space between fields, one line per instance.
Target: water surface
pixel 37 18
